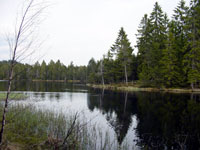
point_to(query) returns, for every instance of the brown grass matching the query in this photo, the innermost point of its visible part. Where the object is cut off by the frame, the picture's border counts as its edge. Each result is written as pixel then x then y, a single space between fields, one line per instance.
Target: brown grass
pixel 136 87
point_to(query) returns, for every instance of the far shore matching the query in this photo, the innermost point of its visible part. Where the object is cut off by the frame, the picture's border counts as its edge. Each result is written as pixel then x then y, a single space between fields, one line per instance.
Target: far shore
pixel 38 80
pixel 67 81
pixel 130 88
pixel 124 88
pixel 49 80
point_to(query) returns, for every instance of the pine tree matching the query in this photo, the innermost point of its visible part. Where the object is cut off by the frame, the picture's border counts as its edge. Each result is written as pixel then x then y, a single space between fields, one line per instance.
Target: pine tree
pixel 192 56
pixel 108 62
pixel 92 70
pixel 170 61
pixel 70 71
pixel 58 70
pixel 181 38
pixel 51 70
pixel 143 45
pixel 43 71
pixel 159 23
pixel 36 70
pixel 151 42
pixel 123 50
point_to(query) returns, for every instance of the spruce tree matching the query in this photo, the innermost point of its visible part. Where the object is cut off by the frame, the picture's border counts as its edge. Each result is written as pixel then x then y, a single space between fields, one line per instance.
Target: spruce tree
pixel 192 55
pixel 43 71
pixel 51 70
pixel 123 50
pixel 36 70
pixel 151 42
pixel 170 61
pixel 181 37
pixel 108 62
pixel 159 29
pixel 143 45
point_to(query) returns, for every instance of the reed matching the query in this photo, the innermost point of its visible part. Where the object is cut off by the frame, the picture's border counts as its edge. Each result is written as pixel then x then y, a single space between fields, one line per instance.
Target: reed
pixel 13 96
pixel 30 128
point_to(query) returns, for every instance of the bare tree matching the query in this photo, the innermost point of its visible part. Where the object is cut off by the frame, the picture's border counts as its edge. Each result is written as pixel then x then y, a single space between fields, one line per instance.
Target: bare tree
pixel 22 45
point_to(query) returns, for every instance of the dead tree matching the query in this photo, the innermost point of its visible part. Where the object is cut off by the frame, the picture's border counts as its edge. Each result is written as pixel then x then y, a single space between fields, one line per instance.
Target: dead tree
pixel 22 44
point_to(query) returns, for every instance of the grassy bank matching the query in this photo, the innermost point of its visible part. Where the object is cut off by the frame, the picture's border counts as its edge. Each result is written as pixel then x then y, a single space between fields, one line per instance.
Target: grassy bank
pixel 133 87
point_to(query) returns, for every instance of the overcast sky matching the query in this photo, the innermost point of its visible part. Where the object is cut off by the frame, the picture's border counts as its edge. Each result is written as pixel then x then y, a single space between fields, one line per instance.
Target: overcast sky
pixel 77 30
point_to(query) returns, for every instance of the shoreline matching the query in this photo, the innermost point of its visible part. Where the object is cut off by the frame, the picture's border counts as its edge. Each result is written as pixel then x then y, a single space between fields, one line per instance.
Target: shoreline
pixel 63 81
pixel 129 88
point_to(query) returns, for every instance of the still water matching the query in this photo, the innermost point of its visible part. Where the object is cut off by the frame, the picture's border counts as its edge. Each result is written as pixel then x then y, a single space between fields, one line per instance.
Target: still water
pixel 144 120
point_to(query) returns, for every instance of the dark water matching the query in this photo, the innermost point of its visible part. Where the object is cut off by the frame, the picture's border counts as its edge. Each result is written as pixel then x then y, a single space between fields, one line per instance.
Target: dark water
pixel 146 120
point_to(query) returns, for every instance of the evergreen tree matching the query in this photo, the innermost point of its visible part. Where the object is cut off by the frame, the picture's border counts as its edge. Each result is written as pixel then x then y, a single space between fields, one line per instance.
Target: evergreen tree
pixel 192 56
pixel 70 71
pixel 36 70
pixel 170 61
pixel 51 70
pixel 152 37
pixel 92 71
pixel 108 64
pixel 158 30
pixel 123 50
pixel 58 70
pixel 134 68
pixel 43 71
pixel 181 37
pixel 143 45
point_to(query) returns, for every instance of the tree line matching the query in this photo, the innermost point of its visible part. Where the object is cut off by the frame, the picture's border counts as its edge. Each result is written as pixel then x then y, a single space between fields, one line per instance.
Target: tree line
pixel 168 54
pixel 51 71
pixel 168 51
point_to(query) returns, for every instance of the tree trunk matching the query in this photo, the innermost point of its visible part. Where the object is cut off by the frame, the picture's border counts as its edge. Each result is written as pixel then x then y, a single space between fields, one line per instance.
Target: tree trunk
pixel 126 75
pixel 102 77
pixel 102 80
pixel 192 86
pixel 19 33
pixel 6 104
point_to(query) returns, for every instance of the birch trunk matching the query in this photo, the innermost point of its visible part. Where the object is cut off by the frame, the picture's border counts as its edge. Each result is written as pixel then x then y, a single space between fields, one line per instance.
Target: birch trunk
pixel 25 25
pixel 6 106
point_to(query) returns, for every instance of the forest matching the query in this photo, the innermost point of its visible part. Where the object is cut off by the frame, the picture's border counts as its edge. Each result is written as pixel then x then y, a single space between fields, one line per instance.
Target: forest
pixel 168 55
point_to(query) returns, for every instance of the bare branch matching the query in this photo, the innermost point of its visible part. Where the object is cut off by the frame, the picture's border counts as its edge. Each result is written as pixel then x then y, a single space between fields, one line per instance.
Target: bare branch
pixel 20 46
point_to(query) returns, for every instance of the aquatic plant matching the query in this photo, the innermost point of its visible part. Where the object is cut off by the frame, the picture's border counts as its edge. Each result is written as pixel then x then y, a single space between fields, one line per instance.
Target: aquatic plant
pixel 13 96
pixel 31 128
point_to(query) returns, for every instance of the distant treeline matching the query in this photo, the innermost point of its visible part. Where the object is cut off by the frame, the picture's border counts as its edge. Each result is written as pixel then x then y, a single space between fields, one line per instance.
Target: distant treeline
pixel 168 54
pixel 51 71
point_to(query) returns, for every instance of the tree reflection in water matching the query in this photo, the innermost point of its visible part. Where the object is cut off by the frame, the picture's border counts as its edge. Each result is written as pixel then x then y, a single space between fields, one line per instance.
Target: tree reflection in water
pixel 118 109
pixel 165 121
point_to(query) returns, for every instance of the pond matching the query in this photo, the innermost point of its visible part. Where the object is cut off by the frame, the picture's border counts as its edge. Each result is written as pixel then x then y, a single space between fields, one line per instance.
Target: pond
pixel 142 120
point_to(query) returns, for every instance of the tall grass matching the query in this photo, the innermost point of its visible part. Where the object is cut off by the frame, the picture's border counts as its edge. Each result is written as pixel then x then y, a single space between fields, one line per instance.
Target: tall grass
pixel 30 128
pixel 13 96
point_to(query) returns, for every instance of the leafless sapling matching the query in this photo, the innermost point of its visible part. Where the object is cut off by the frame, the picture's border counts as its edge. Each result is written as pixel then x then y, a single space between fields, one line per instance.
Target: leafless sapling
pixel 22 44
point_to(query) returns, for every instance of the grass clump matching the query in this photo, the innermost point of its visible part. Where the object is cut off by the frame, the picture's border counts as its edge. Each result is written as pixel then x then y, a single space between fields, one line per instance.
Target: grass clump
pixel 34 129
pixel 13 96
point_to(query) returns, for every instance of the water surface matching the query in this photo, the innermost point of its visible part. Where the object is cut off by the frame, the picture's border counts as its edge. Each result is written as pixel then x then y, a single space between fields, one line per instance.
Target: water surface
pixel 150 120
